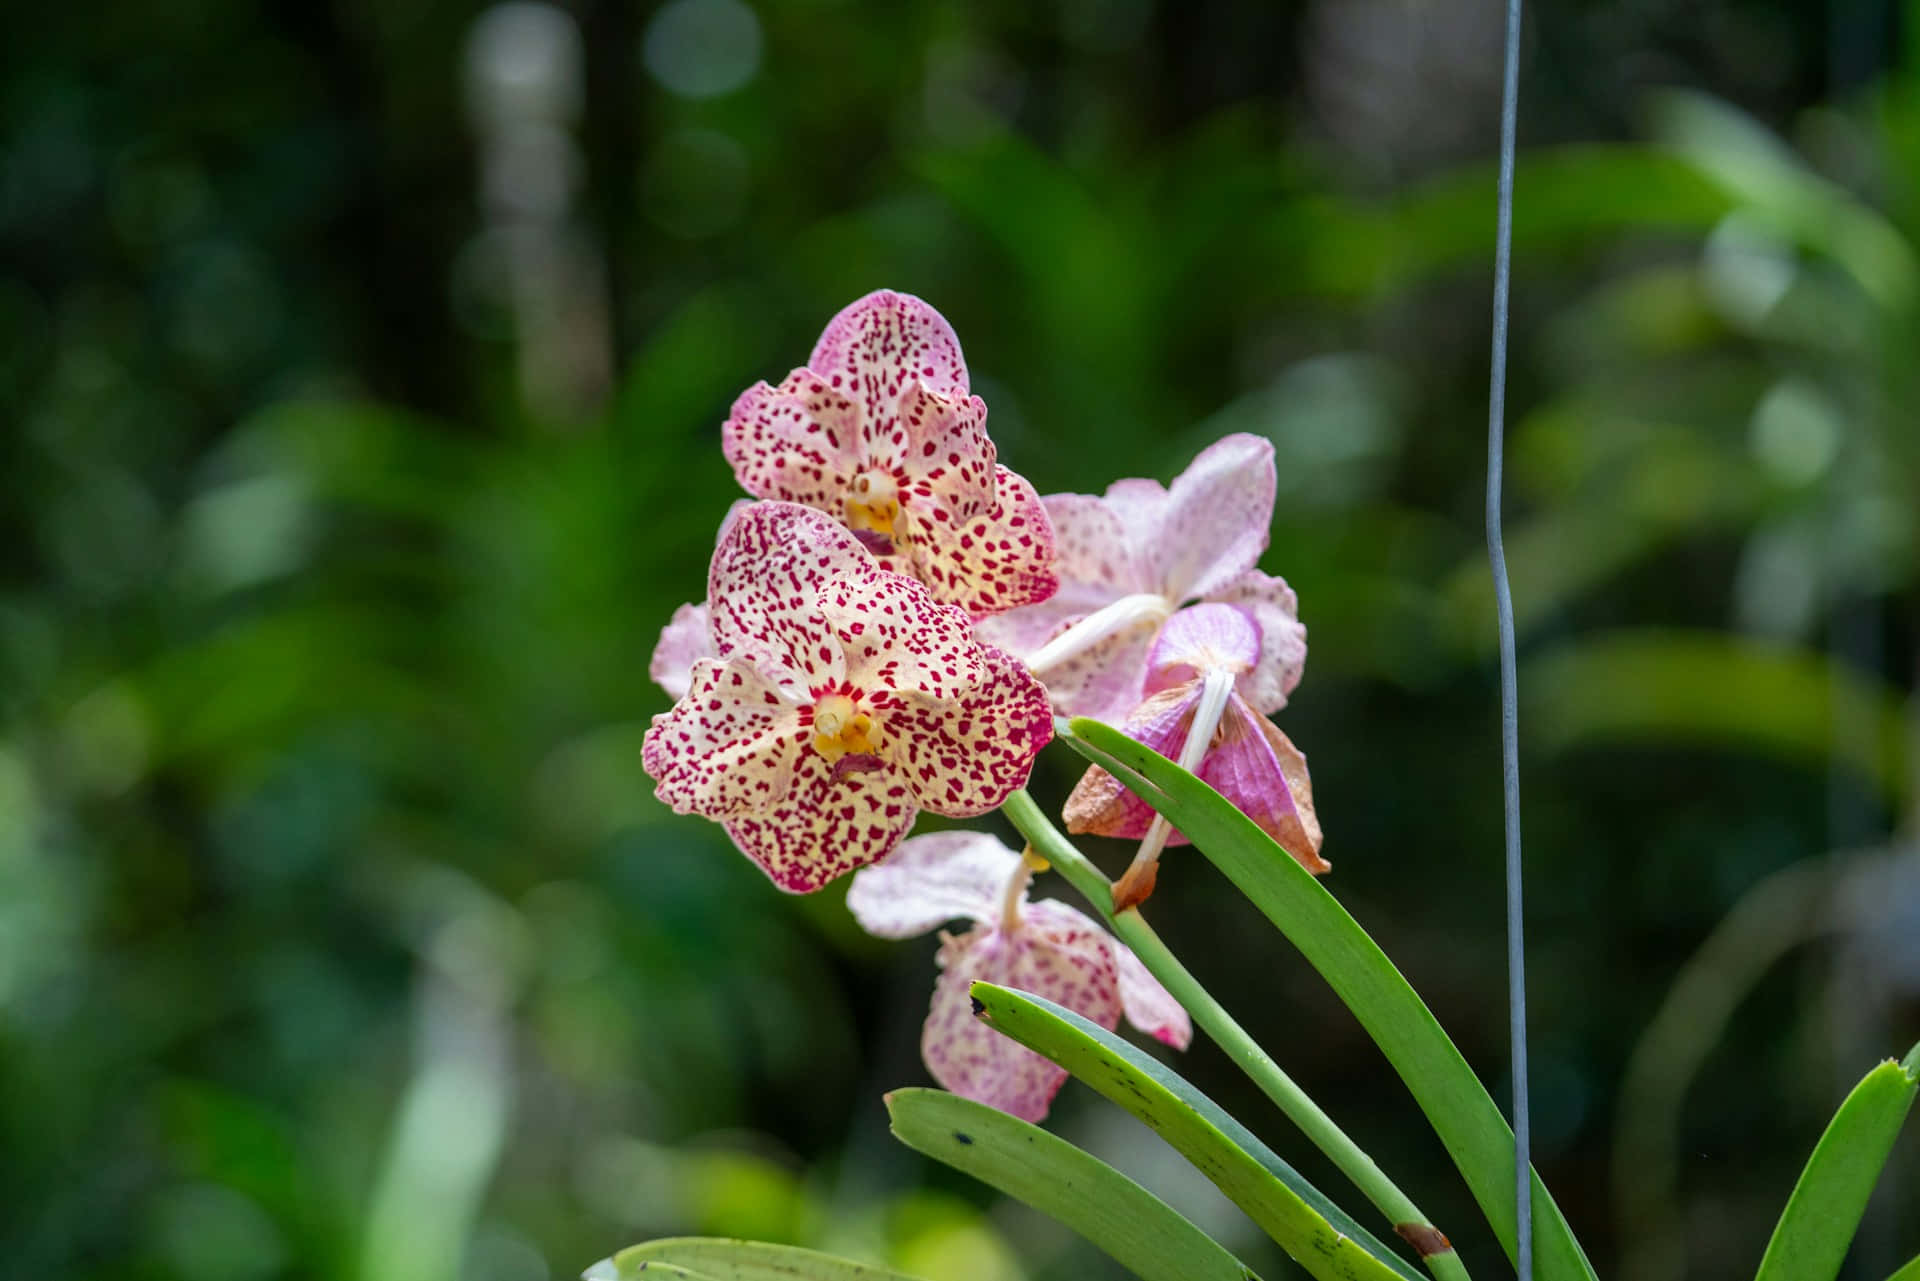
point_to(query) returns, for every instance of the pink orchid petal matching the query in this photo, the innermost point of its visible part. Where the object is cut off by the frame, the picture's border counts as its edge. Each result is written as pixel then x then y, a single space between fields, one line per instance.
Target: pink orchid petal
pixel 1099 805
pixel 1149 1006
pixel 730 746
pixel 765 585
pixel 877 344
pixel 1212 523
pixel 683 641
pixel 1057 953
pixel 800 442
pixel 1259 769
pixel 829 823
pixel 930 880
pixel 997 560
pixel 1092 565
pixel 1201 637
pixel 965 754
pixel 1283 641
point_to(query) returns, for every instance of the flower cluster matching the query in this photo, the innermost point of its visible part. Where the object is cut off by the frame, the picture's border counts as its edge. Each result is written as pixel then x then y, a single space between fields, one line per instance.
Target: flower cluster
pixel 876 634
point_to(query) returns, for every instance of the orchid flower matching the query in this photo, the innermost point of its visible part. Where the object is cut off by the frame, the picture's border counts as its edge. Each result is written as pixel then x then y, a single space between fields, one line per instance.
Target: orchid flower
pixel 838 701
pixel 1199 710
pixel 881 431
pixel 1045 948
pixel 1128 560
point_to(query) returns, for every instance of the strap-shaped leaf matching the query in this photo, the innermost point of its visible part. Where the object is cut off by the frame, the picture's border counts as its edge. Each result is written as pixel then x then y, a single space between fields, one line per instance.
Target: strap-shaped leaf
pixel 1458 1107
pixel 1831 1196
pixel 1908 1271
pixel 718 1259
pixel 1141 1232
pixel 1320 1236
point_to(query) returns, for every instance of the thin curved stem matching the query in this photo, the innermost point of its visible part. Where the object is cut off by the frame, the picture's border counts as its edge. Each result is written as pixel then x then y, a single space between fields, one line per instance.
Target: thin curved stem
pixel 1407 1219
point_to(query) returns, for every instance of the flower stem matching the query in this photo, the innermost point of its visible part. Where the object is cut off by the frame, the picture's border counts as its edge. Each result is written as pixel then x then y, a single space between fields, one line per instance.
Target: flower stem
pixel 1406 1218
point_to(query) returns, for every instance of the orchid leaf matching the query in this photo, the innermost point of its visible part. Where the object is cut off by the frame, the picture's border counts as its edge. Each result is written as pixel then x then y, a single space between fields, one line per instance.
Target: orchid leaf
pixel 1908 1271
pixel 1456 1104
pixel 1140 1231
pixel 1827 1203
pixel 1316 1233
pixel 719 1259
pixel 652 1267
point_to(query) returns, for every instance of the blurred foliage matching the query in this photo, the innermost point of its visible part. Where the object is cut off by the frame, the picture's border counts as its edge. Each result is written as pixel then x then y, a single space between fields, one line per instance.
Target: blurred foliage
pixel 359 439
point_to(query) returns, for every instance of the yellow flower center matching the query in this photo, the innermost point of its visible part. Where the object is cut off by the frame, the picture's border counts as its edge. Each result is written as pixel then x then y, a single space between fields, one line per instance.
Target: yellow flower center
pixel 874 503
pixel 839 728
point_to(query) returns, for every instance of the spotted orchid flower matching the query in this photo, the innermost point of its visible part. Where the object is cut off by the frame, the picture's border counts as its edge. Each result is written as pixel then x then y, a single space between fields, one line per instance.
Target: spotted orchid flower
pixel 881 431
pixel 1199 709
pixel 839 700
pixel 1046 948
pixel 1129 559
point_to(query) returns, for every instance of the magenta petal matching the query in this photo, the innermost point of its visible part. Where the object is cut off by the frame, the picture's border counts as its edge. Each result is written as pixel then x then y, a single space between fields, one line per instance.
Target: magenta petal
pixel 1259 769
pixel 827 825
pixel 1099 805
pixel 1198 639
pixel 1283 641
pixel 879 344
pixel 1149 1006
pixel 930 880
pixel 729 747
pixel 683 641
pixel 1056 953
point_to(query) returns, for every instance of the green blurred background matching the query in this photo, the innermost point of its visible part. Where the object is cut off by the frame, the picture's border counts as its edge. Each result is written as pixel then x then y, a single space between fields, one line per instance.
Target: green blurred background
pixel 362 367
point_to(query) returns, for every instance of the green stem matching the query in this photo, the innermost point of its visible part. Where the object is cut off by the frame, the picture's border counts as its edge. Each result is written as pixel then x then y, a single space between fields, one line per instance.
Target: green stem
pixel 1133 930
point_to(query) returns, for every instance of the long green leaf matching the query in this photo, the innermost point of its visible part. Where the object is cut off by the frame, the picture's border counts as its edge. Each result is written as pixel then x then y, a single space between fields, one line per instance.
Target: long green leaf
pixel 1141 1232
pixel 606 1270
pixel 718 1259
pixel 1825 1208
pixel 1908 1271
pixel 1319 1235
pixel 1456 1104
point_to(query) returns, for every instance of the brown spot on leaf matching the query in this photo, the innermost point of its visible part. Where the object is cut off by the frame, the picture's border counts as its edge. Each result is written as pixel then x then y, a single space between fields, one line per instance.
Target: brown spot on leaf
pixel 1424 1237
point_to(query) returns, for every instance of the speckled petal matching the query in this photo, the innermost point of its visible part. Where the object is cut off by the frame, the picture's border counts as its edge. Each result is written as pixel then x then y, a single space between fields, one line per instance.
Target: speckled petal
pixel 1057 953
pixel 1259 769
pixel 683 641
pixel 1148 1006
pixel 1214 521
pixel 1099 805
pixel 800 442
pixel 879 343
pixel 730 746
pixel 894 636
pixel 1093 566
pixel 1283 641
pixel 966 754
pixel 930 880
pixel 774 562
pixel 1199 638
pixel 998 560
pixel 831 822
